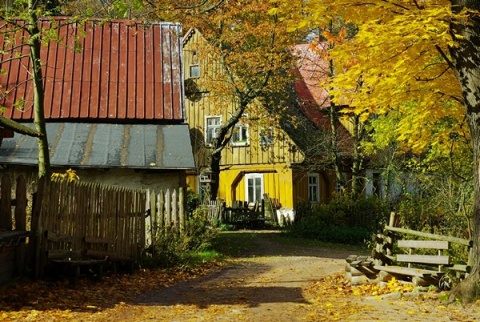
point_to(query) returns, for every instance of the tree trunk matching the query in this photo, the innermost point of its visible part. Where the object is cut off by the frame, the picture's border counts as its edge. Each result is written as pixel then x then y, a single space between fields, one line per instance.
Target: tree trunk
pixel 218 144
pixel 38 94
pixel 466 59
pixel 357 166
pixel 337 165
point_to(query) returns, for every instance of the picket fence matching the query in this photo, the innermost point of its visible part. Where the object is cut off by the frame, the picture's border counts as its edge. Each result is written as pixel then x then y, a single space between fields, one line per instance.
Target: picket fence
pixel 131 218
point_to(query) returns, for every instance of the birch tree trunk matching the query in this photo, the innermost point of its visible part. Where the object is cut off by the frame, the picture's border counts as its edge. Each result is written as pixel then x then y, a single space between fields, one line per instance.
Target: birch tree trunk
pixel 38 94
pixel 466 59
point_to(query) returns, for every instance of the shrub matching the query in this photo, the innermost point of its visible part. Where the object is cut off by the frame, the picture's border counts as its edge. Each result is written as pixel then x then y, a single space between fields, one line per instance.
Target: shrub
pixel 342 220
pixel 173 247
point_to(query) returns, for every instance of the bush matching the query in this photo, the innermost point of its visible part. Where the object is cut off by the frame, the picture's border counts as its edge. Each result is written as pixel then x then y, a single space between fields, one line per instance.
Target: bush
pixel 174 247
pixel 342 220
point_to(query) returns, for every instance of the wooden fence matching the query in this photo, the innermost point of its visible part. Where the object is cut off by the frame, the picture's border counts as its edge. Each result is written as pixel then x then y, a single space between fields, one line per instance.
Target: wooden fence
pixel 131 218
pixel 13 228
pixel 82 210
pixel 241 213
pixel 165 209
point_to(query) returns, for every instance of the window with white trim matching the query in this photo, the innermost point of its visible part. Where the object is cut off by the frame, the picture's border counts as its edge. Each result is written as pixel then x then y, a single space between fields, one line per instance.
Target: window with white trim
pixel 194 71
pixel 212 126
pixel 313 187
pixel 253 187
pixel 194 67
pixel 240 133
pixel 266 136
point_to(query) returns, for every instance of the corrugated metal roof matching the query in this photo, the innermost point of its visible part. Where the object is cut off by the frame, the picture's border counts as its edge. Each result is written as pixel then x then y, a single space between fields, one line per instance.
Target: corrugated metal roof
pixel 103 71
pixel 101 145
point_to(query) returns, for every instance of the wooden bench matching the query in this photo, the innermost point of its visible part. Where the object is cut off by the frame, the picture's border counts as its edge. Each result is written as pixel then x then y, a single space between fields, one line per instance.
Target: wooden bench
pixel 68 254
pixel 359 269
pixel 432 265
pixel 98 248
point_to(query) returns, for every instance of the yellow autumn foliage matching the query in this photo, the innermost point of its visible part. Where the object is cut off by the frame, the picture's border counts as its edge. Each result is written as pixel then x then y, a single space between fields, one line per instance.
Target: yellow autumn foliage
pixel 398 61
pixel 69 175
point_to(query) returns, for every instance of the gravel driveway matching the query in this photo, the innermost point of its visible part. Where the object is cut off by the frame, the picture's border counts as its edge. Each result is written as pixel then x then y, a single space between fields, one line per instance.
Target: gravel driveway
pixel 264 284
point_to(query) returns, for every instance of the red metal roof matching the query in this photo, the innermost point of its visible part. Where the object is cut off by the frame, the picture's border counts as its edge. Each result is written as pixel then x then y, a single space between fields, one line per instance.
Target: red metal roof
pixel 314 99
pixel 99 71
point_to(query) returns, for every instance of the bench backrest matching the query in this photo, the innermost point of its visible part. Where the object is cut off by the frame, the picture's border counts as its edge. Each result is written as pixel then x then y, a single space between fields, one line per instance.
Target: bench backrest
pixel 438 259
pixel 61 246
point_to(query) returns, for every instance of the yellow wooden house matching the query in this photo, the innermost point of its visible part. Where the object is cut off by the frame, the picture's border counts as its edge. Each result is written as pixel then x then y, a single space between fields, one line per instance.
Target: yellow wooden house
pixel 260 158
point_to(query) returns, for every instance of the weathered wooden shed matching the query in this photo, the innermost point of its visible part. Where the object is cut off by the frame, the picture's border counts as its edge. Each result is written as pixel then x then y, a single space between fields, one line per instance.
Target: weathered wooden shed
pixel 113 101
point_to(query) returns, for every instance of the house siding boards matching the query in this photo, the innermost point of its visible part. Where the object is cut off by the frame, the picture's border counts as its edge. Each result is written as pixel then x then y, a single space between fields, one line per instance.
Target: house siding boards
pixel 273 162
pixel 113 75
pixel 198 107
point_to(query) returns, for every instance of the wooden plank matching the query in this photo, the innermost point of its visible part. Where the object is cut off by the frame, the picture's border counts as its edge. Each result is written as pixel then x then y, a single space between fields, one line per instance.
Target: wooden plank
pixel 424 259
pixel 5 204
pixel 168 208
pixel 142 196
pixel 434 244
pixel 181 209
pixel 64 254
pixel 58 237
pixel 99 253
pixel 174 209
pixel 460 268
pixel 21 221
pixel 161 218
pixel 460 241
pixel 98 240
pixel 21 204
pixel 407 271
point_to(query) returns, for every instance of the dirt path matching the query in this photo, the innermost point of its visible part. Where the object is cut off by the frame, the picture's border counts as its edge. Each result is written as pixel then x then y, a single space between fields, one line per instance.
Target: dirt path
pixel 265 284
pixel 271 282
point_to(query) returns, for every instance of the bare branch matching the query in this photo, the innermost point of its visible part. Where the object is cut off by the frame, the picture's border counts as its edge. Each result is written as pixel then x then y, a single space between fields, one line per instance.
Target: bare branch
pixel 442 53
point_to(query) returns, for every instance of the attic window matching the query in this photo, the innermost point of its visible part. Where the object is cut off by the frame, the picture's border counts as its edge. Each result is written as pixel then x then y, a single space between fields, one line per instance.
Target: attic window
pixel 194 71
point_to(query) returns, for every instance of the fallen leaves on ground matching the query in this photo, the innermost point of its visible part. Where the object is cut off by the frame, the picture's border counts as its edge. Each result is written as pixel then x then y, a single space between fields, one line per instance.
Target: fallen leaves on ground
pixel 334 299
pixel 57 300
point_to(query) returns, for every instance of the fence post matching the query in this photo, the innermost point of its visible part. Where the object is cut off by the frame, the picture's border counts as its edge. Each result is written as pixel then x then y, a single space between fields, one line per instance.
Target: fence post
pixel 160 217
pixel 5 204
pixel 168 208
pixel 181 208
pixel 175 209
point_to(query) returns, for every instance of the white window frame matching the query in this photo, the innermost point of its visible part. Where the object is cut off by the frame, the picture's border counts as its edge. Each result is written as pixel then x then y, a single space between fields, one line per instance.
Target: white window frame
pixel 266 140
pixel 214 128
pixel 192 68
pixel 242 128
pixel 314 187
pixel 253 176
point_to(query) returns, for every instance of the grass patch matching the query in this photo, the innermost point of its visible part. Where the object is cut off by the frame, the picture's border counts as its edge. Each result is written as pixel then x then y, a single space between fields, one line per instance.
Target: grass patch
pixel 231 244
pixel 287 240
pixel 193 259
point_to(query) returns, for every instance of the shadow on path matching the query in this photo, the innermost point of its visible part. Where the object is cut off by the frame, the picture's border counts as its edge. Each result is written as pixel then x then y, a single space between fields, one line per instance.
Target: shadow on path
pixel 265 272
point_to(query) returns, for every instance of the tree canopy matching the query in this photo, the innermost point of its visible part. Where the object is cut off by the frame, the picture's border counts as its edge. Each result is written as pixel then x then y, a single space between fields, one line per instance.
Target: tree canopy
pixel 416 59
pixel 398 59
